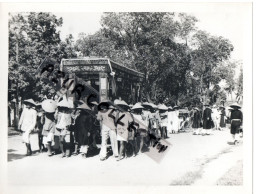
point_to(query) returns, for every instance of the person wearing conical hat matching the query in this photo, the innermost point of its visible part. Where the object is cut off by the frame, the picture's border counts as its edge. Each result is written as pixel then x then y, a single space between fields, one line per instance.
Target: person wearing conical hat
pixel 106 115
pixel 49 126
pixel 236 118
pixel 63 126
pixel 156 121
pixel 123 119
pixel 148 109
pixel 27 123
pixel 147 113
pixel 228 113
pixel 163 110
pixel 142 128
pixel 83 129
pixel 133 133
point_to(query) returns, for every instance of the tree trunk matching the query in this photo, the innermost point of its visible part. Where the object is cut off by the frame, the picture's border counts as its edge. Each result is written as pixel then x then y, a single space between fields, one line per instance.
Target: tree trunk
pixel 16 109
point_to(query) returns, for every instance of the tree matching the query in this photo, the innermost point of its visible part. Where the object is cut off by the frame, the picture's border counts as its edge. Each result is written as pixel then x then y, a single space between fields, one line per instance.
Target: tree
pixel 165 47
pixel 187 25
pixel 147 41
pixel 32 37
pixel 208 54
pixel 239 86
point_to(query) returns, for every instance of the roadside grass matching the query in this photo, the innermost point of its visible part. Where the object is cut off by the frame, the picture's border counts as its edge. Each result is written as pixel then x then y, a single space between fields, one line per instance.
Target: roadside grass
pixel 190 177
pixel 234 176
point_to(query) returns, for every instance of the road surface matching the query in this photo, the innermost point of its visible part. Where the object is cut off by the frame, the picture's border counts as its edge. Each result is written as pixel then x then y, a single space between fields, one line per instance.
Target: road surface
pixel 191 160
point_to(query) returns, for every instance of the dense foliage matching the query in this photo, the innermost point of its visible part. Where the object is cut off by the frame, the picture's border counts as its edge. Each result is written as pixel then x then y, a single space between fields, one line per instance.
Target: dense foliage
pixel 181 63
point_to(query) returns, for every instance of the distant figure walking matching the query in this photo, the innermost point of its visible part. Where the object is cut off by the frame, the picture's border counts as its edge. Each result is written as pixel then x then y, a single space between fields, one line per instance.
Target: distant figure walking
pixel 207 120
pixel 236 122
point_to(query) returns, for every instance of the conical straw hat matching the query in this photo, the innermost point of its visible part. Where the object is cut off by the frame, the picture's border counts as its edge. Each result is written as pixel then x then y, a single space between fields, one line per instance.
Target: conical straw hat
pixel 49 106
pixel 30 101
pixel 235 105
pixel 163 107
pixel 137 106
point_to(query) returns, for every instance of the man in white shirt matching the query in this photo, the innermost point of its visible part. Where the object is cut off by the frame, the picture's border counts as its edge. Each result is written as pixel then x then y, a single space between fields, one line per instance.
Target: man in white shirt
pixel 106 115
pixel 27 123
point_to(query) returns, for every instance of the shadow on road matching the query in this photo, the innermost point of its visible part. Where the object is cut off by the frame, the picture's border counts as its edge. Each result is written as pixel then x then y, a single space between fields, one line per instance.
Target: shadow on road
pixel 230 143
pixel 13 156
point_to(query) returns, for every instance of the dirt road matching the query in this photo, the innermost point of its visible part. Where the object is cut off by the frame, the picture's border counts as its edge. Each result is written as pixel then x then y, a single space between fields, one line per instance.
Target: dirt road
pixel 192 160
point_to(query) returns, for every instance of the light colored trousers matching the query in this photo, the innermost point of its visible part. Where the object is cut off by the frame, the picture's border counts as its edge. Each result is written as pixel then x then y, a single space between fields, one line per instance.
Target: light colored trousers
pixel 26 136
pixel 106 133
pixel 216 123
pixel 236 137
pixel 83 149
pixel 206 131
pixel 197 131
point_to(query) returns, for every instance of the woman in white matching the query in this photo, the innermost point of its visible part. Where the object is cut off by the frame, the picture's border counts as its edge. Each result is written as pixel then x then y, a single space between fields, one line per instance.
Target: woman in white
pixel 27 123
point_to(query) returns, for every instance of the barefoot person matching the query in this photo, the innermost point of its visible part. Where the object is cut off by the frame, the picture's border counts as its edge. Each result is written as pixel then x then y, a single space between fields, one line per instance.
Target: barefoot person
pixel 27 123
pixel 49 106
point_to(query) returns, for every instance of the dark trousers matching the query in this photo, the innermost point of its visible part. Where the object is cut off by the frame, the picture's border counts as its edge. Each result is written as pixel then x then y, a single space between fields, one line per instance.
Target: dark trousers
pixel 40 137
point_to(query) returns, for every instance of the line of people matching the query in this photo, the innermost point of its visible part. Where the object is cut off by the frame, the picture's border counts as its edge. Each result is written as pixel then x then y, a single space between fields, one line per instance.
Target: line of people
pixel 64 125
pixel 71 128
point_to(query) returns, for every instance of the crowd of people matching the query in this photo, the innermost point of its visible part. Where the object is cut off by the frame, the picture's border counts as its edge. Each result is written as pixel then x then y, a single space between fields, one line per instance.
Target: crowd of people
pixel 71 128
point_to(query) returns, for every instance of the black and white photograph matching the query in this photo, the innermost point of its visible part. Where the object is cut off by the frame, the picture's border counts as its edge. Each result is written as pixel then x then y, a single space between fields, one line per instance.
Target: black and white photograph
pixel 117 96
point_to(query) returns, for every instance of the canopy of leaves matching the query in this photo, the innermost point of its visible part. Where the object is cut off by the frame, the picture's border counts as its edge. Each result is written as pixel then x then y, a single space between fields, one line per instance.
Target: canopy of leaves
pixel 166 47
pixel 156 44
pixel 32 37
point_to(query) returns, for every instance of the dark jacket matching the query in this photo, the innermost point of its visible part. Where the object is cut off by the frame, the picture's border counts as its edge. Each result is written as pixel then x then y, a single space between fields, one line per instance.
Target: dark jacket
pixel 207 120
pixel 83 125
